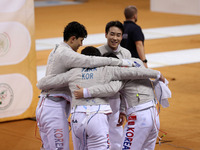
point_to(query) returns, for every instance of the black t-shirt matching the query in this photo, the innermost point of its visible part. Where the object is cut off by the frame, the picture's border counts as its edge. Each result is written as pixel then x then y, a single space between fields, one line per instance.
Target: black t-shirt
pixel 132 33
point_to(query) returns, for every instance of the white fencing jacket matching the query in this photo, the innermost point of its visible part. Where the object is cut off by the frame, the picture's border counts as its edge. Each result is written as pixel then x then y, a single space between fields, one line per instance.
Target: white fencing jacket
pixel 87 77
pixel 62 58
pixel 134 92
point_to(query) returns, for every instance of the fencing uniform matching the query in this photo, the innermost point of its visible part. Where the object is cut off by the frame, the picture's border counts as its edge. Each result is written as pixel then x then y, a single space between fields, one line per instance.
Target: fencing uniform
pixel 52 121
pixel 60 60
pixel 141 129
pixel 84 118
pixel 115 132
pixel 121 52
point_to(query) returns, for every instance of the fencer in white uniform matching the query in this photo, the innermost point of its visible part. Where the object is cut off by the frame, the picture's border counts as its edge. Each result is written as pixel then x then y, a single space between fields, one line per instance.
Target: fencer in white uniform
pixel 113 34
pixel 53 107
pixel 143 124
pixel 89 117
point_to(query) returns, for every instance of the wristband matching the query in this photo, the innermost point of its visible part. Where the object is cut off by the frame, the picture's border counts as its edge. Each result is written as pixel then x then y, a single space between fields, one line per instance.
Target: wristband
pixel 145 61
pixel 86 93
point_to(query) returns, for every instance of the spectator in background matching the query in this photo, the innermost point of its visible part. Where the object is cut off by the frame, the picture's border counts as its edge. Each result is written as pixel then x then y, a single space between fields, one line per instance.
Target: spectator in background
pixel 133 37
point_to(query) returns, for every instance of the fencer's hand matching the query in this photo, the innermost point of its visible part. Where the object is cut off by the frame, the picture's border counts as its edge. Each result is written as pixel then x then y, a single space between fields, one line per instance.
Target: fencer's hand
pixel 78 93
pixel 145 64
pixel 162 78
pixel 121 120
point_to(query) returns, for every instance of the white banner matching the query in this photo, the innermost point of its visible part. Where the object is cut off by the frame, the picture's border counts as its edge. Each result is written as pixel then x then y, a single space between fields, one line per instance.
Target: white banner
pixel 18 92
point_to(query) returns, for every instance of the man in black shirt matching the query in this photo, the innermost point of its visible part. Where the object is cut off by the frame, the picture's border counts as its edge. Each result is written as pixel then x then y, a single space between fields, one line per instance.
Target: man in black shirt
pixel 133 37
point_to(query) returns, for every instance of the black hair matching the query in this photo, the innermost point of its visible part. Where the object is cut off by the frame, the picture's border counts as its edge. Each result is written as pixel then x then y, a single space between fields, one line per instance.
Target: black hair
pixel 74 29
pixel 114 24
pixel 110 55
pixel 91 51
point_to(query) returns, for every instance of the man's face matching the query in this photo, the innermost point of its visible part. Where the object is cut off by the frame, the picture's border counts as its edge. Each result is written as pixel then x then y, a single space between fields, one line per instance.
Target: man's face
pixel 77 43
pixel 114 37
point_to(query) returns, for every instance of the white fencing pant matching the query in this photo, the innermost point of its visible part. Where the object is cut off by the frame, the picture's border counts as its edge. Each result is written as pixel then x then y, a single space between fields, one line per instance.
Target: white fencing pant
pixel 141 130
pixel 53 124
pixel 90 132
pixel 115 132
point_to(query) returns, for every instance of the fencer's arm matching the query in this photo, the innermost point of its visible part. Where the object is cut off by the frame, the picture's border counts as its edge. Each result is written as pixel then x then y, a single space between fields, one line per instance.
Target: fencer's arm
pixel 79 60
pixel 54 81
pixel 131 73
pixel 122 109
pixel 101 90
pixel 108 90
